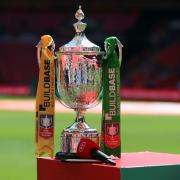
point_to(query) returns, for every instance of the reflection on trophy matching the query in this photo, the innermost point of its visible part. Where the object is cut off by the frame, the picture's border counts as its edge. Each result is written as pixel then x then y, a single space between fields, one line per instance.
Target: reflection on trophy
pixel 78 83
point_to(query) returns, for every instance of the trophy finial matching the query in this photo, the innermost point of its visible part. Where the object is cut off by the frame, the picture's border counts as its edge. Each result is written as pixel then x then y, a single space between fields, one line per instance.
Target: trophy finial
pixel 79 26
pixel 79 14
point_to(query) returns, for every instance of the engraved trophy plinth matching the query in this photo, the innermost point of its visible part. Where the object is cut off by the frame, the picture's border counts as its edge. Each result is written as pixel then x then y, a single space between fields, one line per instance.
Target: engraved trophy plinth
pixel 78 83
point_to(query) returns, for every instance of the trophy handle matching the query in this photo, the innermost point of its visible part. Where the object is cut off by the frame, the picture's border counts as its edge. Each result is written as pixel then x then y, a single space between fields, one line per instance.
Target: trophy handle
pixel 120 46
pixel 38 53
pixel 57 73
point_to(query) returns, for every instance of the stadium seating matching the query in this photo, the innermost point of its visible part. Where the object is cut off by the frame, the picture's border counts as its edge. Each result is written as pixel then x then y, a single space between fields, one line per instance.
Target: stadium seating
pixel 150 58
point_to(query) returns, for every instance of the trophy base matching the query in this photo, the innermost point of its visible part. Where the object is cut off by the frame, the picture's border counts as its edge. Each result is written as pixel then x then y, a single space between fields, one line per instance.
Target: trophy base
pixel 72 135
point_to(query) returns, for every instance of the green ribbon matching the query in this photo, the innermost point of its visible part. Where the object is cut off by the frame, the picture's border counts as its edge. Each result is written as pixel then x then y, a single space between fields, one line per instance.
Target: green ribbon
pixel 110 141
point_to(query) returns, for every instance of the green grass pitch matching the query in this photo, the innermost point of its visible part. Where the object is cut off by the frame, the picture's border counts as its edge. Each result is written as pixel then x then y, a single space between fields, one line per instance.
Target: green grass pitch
pixel 139 133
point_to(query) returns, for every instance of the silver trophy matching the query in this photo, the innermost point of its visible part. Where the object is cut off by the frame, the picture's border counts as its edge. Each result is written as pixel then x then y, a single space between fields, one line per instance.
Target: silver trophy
pixel 78 83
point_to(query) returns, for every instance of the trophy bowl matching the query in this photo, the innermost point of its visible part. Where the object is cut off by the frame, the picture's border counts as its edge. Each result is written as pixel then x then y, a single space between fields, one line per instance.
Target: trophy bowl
pixel 78 80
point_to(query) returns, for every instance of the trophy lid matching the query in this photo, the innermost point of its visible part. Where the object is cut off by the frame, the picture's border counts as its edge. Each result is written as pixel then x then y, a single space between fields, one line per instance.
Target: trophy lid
pixel 80 43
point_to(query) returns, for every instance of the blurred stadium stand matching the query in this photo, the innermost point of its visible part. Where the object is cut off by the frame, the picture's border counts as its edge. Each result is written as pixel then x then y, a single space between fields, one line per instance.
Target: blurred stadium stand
pixel 149 31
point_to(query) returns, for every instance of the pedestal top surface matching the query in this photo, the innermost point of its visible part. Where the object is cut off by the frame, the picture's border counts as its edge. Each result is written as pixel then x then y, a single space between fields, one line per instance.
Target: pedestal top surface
pixel 138 159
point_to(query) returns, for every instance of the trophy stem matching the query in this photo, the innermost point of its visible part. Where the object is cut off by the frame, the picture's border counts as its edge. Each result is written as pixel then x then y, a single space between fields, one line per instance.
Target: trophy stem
pixel 79 129
pixel 80 115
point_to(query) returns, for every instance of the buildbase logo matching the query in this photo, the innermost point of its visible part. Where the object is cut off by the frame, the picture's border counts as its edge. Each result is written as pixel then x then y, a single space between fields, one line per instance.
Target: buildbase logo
pixel 108 117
